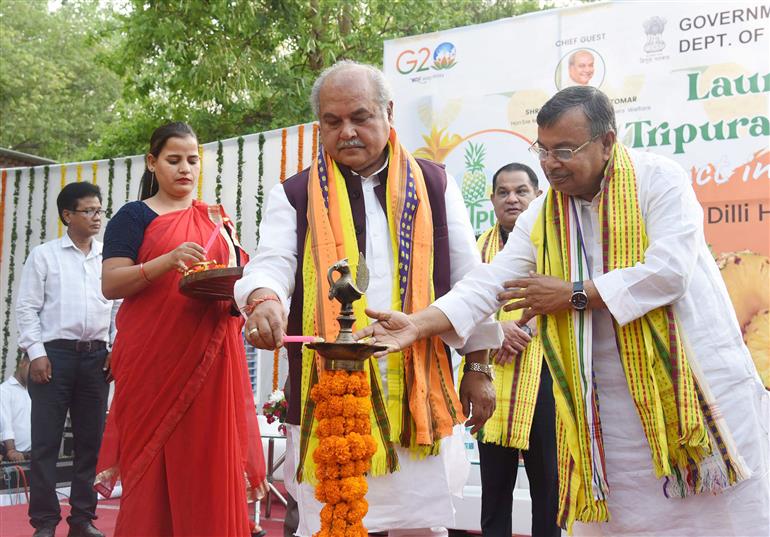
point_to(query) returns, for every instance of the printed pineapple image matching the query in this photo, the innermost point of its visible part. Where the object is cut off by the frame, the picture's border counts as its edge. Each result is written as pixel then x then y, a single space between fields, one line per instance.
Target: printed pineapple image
pixel 747 277
pixel 474 183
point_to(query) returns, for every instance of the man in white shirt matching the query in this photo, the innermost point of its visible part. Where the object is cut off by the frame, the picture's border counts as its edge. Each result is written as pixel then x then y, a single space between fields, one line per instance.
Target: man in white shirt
pixel 16 414
pixel 65 325
pixel 355 112
pixel 668 271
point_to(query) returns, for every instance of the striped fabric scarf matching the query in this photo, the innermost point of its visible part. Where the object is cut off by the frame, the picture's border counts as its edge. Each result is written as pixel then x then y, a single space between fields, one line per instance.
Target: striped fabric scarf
pixel 421 406
pixel 690 445
pixel 516 383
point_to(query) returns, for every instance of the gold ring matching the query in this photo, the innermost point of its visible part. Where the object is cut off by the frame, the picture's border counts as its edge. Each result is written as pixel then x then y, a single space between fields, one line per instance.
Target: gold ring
pixel 253 330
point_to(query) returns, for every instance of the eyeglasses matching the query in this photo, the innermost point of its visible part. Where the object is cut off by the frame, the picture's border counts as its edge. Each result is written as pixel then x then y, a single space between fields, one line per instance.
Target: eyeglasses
pixel 90 213
pixel 561 154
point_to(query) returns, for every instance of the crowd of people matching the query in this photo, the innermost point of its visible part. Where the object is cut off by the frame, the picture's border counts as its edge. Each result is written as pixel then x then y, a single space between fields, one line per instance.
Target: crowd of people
pixel 599 342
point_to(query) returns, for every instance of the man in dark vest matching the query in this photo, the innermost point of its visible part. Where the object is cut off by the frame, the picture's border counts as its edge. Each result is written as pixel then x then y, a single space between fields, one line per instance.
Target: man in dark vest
pixel 365 193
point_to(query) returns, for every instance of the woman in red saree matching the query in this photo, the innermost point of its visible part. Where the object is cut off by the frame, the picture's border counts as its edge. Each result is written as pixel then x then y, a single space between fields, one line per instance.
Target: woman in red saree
pixel 182 433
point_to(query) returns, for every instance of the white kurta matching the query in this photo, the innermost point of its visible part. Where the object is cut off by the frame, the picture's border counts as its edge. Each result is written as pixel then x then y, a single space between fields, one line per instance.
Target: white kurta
pixel 419 494
pixel 678 269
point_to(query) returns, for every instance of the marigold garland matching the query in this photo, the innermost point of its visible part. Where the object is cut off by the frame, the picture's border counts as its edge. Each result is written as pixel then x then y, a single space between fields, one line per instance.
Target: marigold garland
pixel 239 188
pixel 43 216
pixel 94 169
pixel 128 178
pixel 28 230
pixel 315 139
pixel 218 179
pixel 62 182
pixel 110 182
pixel 79 173
pixel 284 133
pixel 4 188
pixel 200 174
pixel 260 185
pixel 300 146
pixel 11 268
pixel 344 452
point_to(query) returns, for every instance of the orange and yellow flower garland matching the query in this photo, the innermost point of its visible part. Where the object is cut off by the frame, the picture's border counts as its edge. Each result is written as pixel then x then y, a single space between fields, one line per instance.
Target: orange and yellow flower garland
pixel 344 452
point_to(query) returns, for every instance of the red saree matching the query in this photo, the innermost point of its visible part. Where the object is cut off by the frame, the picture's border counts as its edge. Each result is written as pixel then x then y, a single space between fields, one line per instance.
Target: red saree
pixel 182 433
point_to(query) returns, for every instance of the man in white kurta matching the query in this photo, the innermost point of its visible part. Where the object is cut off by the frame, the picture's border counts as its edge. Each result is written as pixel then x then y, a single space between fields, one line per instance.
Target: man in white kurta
pixel 416 499
pixel 678 269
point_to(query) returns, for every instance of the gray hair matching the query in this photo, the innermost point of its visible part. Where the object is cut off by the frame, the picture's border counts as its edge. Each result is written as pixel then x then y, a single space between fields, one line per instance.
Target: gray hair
pixel 572 56
pixel 383 94
pixel 594 104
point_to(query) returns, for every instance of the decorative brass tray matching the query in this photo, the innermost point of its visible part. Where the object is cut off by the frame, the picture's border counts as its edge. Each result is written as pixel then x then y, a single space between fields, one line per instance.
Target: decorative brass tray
pixel 214 284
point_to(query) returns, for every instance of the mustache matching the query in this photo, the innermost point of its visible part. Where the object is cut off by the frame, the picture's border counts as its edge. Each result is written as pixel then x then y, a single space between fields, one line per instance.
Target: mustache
pixel 355 142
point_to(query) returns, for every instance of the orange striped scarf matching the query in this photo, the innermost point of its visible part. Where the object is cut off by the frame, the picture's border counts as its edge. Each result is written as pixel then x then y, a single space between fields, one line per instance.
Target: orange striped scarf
pixel 422 406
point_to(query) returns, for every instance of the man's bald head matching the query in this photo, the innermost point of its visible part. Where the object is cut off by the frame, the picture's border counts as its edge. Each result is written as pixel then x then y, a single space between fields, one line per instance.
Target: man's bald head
pixel 380 89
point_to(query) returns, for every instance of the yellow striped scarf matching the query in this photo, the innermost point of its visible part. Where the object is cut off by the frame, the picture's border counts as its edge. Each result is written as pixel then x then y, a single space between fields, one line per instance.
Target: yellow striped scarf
pixel 422 406
pixel 689 443
pixel 516 384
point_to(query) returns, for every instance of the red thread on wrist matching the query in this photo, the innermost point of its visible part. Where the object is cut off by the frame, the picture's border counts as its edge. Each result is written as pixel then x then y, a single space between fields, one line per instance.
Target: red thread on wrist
pixel 248 309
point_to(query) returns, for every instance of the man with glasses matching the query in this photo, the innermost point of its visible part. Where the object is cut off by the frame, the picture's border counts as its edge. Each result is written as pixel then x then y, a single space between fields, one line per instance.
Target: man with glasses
pixel 661 415
pixel 65 325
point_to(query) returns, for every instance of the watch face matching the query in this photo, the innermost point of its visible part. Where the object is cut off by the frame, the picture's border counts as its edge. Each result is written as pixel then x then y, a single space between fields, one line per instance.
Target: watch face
pixel 579 300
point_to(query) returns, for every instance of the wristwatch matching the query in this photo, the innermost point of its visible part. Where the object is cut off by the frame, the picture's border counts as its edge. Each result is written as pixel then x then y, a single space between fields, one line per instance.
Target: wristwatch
pixel 579 298
pixel 479 368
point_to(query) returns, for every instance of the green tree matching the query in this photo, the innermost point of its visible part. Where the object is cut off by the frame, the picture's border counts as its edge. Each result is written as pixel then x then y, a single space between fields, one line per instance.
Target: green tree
pixel 56 96
pixel 232 67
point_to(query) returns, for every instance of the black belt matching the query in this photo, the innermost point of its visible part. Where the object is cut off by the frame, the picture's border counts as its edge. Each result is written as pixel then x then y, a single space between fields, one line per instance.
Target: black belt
pixel 77 346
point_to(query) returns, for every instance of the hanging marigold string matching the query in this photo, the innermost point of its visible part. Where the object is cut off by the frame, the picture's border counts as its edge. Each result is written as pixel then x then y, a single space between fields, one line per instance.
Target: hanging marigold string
pixel 283 155
pixel 62 182
pixel 218 179
pixel 44 209
pixel 28 230
pixel 344 451
pixel 300 147
pixel 11 270
pixel 276 353
pixel 260 183
pixel 110 183
pixel 79 173
pixel 94 168
pixel 239 188
pixel 200 175
pixel 128 179
pixel 3 189
pixel 315 139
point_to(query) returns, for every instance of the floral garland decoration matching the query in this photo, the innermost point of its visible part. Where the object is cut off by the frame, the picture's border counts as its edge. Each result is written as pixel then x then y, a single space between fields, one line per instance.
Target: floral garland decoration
pixel 276 408
pixel 300 146
pixel 315 139
pixel 344 451
pixel 94 169
pixel 110 182
pixel 62 182
pixel 79 173
pixel 28 230
pixel 200 175
pixel 128 178
pixel 239 188
pixel 284 133
pixel 260 185
pixel 44 215
pixel 218 181
pixel 3 190
pixel 11 269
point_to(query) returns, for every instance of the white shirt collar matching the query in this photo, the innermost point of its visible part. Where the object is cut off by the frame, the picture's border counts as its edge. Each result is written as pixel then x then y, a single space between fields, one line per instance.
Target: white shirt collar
pixel 96 246
pixel 375 173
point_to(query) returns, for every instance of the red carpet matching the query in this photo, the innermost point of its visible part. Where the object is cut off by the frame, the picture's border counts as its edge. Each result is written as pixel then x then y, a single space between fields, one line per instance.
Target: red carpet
pixel 14 521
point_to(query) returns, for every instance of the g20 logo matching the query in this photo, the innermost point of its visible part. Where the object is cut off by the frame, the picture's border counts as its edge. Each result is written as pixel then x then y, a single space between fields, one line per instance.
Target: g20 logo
pixel 411 61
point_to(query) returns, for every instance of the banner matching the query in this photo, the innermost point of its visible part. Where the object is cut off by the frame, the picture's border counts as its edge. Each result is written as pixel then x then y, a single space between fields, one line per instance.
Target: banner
pixel 690 81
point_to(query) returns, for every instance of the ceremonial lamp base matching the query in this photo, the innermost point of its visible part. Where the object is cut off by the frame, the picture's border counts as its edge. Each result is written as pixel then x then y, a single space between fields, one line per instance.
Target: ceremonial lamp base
pixel 345 354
